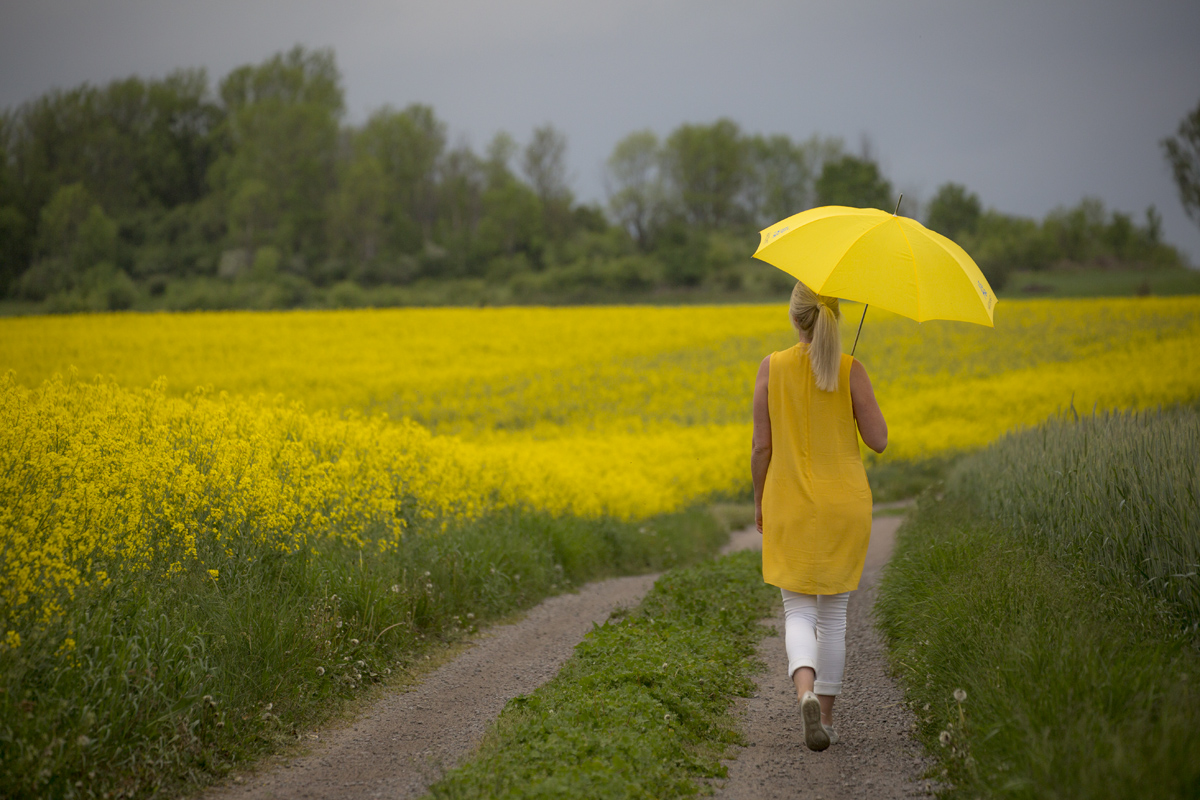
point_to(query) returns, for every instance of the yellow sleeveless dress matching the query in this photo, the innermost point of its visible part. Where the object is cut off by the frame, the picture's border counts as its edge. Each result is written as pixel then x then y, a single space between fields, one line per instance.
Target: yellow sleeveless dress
pixel 816 503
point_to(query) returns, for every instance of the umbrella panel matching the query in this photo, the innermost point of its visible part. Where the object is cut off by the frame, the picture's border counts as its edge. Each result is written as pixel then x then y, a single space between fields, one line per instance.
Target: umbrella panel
pixel 877 258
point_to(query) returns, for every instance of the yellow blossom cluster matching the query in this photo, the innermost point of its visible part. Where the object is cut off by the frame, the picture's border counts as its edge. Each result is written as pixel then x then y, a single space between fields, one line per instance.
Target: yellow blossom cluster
pixel 546 373
pixel 356 425
pixel 99 481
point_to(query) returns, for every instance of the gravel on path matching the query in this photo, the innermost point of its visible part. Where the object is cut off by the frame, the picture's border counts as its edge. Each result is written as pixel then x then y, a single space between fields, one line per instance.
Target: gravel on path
pixel 406 741
pixel 876 756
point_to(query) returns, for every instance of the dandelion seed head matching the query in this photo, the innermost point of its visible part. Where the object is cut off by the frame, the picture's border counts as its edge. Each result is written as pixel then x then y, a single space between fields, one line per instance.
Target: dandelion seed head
pixel 960 695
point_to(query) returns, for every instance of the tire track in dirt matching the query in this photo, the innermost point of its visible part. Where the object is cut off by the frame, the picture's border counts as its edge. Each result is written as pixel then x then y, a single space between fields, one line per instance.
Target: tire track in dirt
pixel 404 743
pixel 876 756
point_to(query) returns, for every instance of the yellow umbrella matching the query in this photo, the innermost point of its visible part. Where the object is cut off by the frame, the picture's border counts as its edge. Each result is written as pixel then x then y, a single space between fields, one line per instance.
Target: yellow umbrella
pixel 879 259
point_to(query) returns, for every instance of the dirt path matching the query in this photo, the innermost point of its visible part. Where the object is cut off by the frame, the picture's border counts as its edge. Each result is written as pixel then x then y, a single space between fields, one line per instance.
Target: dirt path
pixel 404 742
pixel 876 756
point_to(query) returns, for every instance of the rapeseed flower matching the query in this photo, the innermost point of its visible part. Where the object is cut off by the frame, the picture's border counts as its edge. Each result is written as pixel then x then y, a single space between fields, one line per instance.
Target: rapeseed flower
pixel 273 432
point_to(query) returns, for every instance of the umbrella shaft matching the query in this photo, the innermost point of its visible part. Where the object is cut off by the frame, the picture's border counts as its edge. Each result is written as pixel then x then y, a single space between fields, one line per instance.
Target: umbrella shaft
pixel 860 324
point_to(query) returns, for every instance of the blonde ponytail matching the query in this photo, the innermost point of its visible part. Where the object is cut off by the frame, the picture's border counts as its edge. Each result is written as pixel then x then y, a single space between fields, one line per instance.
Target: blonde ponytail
pixel 817 316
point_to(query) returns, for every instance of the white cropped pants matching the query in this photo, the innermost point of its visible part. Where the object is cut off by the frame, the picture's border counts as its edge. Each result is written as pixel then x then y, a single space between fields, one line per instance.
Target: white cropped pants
pixel 815 637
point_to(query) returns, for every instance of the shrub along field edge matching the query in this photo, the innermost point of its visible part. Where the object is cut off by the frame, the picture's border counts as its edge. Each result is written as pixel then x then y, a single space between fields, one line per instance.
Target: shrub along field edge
pixel 1036 662
pixel 149 687
pixel 642 707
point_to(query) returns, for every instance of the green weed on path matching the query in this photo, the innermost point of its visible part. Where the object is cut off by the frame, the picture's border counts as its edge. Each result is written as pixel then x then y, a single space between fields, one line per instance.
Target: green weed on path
pixel 642 707
pixel 1028 618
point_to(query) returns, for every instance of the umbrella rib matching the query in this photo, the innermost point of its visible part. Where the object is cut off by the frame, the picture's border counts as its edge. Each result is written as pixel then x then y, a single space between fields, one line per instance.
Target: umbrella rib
pixel 916 283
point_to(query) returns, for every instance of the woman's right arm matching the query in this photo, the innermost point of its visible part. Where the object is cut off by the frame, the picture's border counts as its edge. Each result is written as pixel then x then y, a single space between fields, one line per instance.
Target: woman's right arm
pixel 871 425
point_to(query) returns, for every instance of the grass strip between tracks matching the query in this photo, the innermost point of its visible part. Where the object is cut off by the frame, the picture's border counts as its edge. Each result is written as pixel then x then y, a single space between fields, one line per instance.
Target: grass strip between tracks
pixel 1025 617
pixel 642 707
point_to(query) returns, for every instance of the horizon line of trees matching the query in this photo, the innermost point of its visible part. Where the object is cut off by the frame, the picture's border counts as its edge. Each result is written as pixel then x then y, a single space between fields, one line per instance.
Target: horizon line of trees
pixel 109 195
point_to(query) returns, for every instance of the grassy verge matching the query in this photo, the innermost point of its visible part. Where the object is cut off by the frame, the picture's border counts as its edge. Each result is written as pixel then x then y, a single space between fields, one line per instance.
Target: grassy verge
pixel 148 687
pixel 641 708
pixel 1038 663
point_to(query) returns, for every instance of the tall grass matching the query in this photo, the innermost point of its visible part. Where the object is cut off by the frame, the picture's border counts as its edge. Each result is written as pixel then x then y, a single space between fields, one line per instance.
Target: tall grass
pixel 1117 492
pixel 146 686
pixel 1042 614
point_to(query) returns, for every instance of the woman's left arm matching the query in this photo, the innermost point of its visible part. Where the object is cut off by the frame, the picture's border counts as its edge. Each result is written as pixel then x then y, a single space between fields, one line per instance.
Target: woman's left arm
pixel 760 452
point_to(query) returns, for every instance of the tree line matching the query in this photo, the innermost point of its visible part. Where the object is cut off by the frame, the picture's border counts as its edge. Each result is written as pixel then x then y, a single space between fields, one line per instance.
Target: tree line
pixel 176 193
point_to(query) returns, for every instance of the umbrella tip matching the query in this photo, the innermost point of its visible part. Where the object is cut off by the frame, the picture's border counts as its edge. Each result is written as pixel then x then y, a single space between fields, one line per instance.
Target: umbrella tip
pixel 901 199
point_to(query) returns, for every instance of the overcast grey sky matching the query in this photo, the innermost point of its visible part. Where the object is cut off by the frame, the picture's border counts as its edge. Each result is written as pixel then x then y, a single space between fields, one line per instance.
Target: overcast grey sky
pixel 1030 104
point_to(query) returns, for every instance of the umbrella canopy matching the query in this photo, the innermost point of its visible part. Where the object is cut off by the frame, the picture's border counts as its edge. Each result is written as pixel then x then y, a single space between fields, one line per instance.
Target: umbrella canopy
pixel 880 259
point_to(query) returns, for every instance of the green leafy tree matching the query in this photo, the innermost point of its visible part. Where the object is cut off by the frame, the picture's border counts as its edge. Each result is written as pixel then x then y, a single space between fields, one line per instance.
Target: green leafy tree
pixel 705 170
pixel 141 149
pixel 358 209
pixel 544 164
pixel 954 211
pixel 463 177
pixel 75 229
pixel 15 241
pixel 282 127
pixel 511 220
pixel 1004 243
pixel 183 141
pixel 633 182
pixel 75 236
pixel 1183 154
pixel 854 181
pixel 407 145
pixel 781 175
pixel 385 205
pixel 1078 232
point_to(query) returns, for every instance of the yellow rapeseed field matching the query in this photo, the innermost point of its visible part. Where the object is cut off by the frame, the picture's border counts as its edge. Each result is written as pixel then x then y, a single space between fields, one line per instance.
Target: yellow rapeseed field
pixel 178 442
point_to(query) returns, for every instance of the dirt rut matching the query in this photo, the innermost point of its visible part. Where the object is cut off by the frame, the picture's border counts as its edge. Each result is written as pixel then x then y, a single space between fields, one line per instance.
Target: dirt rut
pixel 403 743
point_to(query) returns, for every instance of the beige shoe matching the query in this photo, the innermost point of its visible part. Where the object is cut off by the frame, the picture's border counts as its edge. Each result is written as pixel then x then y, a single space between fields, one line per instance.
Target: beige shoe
pixel 815 736
pixel 833 737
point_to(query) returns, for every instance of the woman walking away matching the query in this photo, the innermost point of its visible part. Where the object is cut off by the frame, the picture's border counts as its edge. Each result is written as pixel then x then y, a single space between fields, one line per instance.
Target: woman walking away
pixel 812 502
